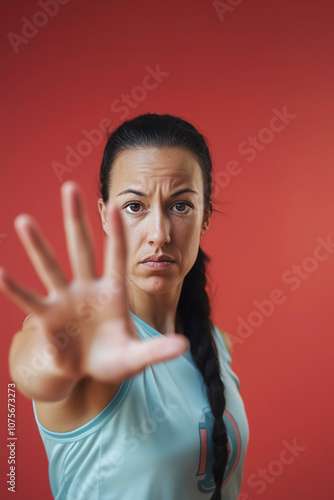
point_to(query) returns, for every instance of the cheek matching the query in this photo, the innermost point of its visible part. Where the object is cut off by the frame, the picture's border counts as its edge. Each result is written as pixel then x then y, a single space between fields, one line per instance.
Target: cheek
pixel 186 239
pixel 188 230
pixel 133 237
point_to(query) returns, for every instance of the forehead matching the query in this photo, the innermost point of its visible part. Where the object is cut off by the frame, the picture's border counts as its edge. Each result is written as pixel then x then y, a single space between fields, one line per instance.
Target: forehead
pixel 166 166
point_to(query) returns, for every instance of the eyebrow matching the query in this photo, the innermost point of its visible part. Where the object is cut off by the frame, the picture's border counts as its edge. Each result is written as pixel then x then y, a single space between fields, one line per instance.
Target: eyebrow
pixel 139 193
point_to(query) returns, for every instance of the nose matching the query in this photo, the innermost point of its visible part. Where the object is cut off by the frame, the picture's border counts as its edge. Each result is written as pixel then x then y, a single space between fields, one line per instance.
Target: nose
pixel 158 231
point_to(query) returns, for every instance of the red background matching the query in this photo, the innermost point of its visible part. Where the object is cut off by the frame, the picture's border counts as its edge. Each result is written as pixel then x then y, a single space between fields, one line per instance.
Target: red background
pixel 225 76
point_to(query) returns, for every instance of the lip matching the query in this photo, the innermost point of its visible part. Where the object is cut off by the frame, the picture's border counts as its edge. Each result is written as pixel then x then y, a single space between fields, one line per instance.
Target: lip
pixel 158 264
pixel 158 258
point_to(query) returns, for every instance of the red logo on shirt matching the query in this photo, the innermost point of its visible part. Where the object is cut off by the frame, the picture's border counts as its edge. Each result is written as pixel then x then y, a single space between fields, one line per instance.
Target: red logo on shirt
pixel 206 482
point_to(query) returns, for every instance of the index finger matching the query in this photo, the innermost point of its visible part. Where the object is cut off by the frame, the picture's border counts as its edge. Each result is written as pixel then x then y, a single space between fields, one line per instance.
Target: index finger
pixel 79 237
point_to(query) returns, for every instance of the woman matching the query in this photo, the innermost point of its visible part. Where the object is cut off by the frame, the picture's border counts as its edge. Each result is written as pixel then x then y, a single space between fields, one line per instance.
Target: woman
pixel 125 407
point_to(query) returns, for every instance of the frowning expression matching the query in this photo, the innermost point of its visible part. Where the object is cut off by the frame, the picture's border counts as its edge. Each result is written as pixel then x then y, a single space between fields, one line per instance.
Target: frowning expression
pixel 160 194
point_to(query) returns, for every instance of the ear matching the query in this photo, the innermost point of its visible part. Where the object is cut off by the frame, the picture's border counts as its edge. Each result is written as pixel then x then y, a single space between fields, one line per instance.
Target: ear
pixel 207 216
pixel 103 213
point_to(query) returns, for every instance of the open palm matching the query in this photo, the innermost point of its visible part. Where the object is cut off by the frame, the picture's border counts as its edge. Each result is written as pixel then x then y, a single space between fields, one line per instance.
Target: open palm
pixel 84 325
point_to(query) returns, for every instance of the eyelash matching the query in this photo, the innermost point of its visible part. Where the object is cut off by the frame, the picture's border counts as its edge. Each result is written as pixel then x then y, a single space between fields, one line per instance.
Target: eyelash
pixel 187 203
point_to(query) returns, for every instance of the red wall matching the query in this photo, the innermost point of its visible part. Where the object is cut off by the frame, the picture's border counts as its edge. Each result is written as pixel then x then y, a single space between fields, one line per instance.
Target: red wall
pixel 229 73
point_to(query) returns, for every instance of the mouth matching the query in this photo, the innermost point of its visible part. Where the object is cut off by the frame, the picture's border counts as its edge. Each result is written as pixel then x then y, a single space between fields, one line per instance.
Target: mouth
pixel 158 264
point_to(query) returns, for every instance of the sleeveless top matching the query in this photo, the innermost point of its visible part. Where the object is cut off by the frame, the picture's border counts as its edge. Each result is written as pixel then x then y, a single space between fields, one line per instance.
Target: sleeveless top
pixel 153 440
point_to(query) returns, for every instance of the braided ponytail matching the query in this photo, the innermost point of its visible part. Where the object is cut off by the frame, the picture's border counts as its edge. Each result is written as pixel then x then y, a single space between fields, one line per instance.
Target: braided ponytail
pixel 194 310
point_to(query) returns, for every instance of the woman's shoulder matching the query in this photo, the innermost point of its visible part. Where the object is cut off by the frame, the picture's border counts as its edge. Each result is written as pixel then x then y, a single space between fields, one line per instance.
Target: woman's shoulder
pixel 226 339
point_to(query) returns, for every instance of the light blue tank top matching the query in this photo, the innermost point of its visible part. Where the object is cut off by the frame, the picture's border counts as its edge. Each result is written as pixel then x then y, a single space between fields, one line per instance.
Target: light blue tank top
pixel 153 440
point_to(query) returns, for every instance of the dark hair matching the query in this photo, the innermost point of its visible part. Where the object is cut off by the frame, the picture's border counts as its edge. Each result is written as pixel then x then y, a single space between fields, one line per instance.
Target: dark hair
pixel 153 130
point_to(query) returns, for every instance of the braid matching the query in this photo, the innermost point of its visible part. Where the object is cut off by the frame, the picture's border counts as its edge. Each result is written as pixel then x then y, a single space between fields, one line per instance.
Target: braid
pixel 194 309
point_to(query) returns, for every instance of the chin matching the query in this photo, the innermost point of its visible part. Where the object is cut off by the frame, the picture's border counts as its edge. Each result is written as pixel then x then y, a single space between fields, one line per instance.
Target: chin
pixel 157 284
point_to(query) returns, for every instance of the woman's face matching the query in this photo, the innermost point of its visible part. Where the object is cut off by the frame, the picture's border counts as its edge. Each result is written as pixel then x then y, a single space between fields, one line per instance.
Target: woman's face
pixel 159 192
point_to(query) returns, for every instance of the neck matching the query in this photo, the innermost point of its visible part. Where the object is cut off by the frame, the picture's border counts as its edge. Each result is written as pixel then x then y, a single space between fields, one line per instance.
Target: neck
pixel 159 310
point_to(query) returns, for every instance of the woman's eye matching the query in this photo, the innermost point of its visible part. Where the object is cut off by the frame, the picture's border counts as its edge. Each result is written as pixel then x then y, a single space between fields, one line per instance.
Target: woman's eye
pixel 182 207
pixel 135 207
